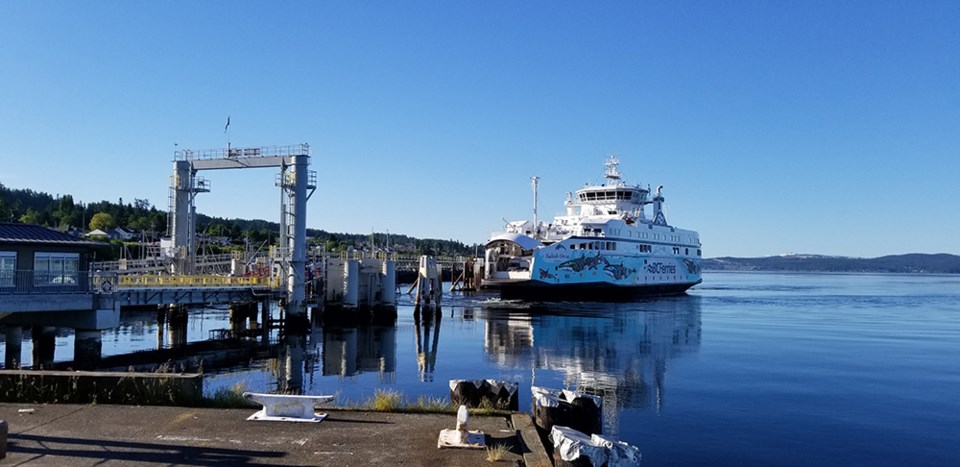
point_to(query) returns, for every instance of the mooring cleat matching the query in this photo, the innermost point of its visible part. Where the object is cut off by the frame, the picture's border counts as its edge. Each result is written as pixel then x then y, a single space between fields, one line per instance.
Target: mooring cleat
pixel 286 407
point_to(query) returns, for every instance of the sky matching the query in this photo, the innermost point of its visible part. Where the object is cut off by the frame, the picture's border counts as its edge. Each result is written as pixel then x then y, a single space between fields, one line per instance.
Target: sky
pixel 775 127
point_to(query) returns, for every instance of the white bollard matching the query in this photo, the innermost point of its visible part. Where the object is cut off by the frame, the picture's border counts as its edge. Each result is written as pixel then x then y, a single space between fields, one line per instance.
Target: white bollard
pixel 462 423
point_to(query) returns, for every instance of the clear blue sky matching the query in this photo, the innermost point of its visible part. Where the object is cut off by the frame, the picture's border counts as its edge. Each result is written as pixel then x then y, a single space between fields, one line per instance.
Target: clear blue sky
pixel 826 127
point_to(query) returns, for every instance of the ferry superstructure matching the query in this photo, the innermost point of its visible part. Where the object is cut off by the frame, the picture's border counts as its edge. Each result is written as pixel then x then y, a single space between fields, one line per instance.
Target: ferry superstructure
pixel 604 248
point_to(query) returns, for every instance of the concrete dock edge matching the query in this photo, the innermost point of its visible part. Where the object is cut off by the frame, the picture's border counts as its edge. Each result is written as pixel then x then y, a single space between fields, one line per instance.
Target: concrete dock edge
pixel 534 454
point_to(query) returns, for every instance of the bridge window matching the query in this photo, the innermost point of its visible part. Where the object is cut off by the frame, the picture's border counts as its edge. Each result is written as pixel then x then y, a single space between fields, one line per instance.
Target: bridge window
pixel 8 267
pixel 56 268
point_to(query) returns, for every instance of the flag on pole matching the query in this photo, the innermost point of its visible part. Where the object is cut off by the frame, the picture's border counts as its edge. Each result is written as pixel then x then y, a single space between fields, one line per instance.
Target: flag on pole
pixel 225 127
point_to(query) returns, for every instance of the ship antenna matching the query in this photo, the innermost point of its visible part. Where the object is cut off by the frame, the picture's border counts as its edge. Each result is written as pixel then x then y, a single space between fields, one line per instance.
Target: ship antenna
pixel 536 181
pixel 612 174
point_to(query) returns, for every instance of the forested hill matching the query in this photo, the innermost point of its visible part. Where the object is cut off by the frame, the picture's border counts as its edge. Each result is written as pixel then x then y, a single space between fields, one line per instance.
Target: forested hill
pixel 62 212
pixel 911 263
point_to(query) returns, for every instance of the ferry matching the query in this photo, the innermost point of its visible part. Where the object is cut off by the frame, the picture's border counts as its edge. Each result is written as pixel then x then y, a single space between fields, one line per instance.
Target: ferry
pixel 605 248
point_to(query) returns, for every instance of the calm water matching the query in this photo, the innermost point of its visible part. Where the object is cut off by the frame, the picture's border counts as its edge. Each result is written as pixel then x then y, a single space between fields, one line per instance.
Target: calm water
pixel 748 368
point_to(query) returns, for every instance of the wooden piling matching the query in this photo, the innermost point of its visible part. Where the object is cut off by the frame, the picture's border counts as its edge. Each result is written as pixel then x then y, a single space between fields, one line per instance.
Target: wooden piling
pixel 429 292
pixel 582 412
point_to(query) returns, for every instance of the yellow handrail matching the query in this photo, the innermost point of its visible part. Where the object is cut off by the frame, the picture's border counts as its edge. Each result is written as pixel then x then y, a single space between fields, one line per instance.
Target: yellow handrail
pixel 133 280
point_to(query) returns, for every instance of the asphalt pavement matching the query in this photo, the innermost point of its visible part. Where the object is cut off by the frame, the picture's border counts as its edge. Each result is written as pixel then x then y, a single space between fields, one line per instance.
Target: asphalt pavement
pixel 78 435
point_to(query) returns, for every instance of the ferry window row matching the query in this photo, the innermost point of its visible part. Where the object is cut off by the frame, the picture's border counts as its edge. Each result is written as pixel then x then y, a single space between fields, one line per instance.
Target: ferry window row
pixel 594 246
pixel 617 195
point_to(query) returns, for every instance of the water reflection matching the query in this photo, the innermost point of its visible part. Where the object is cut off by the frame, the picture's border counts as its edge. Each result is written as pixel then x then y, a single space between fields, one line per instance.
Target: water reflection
pixel 290 364
pixel 427 324
pixel 348 351
pixel 617 351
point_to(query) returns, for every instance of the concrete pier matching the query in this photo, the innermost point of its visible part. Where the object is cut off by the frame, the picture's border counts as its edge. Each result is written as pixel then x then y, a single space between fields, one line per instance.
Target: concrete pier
pixel 14 348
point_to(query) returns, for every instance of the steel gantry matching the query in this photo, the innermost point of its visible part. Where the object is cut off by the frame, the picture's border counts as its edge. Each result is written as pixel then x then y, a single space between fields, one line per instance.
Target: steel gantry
pixel 295 179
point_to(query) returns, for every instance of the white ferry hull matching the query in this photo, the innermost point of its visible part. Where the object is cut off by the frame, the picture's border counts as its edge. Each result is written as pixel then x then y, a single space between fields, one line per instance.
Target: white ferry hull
pixel 540 291
pixel 558 274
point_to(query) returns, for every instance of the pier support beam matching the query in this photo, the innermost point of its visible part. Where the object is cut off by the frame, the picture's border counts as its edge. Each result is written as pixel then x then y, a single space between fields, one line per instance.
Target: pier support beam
pixel 181 228
pixel 388 287
pixel 87 344
pixel 351 293
pixel 14 348
pixel 177 325
pixel 297 232
pixel 44 345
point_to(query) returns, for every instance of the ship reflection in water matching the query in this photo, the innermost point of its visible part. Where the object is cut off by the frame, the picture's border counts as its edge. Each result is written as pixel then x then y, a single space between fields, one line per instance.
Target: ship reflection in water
pixel 616 351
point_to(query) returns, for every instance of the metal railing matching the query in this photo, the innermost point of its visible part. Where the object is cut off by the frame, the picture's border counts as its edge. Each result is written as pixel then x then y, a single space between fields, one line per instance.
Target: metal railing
pixel 225 153
pixel 136 281
pixel 44 282
pixel 37 282
pixel 394 256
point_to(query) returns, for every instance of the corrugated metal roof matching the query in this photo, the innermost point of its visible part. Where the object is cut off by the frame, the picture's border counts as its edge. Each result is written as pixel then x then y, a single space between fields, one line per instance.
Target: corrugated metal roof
pixel 28 233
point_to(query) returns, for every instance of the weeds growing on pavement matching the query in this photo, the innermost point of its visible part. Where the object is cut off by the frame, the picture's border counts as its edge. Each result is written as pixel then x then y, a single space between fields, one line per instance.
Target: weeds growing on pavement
pixel 496 452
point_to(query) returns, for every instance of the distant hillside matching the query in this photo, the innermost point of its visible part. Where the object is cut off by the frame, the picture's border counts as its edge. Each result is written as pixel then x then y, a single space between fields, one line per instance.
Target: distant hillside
pixel 62 212
pixel 911 263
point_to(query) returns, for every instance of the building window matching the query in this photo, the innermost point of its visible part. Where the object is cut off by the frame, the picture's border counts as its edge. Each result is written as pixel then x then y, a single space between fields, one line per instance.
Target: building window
pixel 8 267
pixel 56 268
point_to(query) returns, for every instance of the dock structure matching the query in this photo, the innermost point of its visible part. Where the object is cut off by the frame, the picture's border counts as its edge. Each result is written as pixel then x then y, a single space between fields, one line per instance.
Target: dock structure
pixel 89 300
pixel 294 180
pixel 49 280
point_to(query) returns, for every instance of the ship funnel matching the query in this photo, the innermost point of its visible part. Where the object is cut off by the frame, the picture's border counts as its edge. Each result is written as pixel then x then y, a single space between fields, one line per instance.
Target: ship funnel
pixel 658 217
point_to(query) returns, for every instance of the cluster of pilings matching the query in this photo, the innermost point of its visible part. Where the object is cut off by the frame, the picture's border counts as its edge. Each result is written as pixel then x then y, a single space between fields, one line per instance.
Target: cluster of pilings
pixel 351 285
pixel 468 280
pixel 428 285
